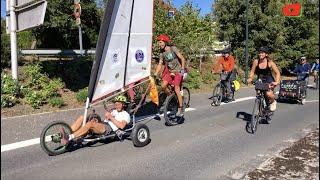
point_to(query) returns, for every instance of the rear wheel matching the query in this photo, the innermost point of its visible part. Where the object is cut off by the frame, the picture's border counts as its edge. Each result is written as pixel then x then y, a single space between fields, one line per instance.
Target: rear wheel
pixel 186 97
pixel 255 116
pixel 170 109
pixel 217 95
pixel 50 138
pixel 140 135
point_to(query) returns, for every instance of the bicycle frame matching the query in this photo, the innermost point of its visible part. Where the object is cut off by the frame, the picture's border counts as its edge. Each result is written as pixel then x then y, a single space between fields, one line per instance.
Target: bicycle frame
pixel 263 103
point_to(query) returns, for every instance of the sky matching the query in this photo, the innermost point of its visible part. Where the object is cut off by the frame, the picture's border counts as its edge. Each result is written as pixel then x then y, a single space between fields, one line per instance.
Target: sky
pixel 204 5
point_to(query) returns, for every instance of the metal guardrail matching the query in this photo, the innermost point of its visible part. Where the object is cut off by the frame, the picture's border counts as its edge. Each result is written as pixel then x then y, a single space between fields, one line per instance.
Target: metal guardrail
pixel 54 52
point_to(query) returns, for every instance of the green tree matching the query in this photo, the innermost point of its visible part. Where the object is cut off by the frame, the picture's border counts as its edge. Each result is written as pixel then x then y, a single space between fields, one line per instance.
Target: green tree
pixel 188 30
pixel 60 30
pixel 289 37
pixel 5 45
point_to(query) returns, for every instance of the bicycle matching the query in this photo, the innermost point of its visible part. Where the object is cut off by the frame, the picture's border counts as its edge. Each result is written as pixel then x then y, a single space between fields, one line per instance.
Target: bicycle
pixel 261 107
pixel 219 93
pixel 170 104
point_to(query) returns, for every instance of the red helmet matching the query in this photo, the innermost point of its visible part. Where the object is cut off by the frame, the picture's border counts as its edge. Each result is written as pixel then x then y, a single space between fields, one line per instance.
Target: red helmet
pixel 164 38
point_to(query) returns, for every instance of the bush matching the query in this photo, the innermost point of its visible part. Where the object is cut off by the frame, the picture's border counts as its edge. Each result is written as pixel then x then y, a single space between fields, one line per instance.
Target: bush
pixel 82 95
pixel 8 101
pixel 34 98
pixel 9 91
pixel 193 80
pixel 38 87
pixel 56 102
pixel 208 77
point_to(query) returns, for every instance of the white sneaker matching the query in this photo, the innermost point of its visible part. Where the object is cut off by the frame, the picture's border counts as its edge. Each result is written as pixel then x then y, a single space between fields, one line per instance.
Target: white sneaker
pixel 273 106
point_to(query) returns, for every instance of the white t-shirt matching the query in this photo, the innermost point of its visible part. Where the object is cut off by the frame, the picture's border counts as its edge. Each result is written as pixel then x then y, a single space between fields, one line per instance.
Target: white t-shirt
pixel 119 116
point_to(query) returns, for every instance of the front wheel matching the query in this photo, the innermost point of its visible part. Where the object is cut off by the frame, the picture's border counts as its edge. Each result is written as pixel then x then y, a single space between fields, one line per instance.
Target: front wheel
pixel 217 95
pixel 170 110
pixel 140 135
pixel 50 138
pixel 255 116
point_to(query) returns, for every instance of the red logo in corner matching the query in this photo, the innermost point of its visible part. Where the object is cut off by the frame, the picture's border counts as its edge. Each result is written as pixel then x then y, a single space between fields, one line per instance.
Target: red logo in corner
pixel 292 10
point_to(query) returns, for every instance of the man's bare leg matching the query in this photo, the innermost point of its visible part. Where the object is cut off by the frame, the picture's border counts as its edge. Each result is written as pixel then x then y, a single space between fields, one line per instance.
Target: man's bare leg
pixel 77 124
pixel 165 88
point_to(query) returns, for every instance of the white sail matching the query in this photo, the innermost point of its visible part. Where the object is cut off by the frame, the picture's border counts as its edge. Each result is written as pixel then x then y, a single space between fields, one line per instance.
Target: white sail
pixel 140 44
pixel 123 52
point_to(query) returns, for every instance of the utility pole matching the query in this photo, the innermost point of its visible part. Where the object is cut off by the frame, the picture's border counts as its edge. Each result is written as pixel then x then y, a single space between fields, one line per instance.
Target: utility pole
pixel 77 13
pixel 246 51
pixel 13 39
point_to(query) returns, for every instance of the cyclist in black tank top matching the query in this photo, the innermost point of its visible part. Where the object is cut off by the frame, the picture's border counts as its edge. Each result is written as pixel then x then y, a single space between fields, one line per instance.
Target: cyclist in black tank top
pixel 266 74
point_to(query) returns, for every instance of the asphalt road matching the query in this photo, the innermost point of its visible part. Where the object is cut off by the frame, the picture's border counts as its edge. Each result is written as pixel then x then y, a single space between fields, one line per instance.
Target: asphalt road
pixel 208 145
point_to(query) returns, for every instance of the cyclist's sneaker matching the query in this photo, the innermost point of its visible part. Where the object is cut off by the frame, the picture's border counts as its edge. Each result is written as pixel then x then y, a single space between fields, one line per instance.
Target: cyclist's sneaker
pixel 179 113
pixel 273 106
pixel 64 137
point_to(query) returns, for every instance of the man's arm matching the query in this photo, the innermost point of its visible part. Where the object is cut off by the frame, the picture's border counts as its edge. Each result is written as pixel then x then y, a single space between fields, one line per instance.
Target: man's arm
pixel 217 68
pixel 183 60
pixel 158 68
pixel 232 63
pixel 120 124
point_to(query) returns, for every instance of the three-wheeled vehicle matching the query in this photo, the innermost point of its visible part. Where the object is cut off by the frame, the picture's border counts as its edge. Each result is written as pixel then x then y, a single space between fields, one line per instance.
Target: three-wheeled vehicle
pixel 294 90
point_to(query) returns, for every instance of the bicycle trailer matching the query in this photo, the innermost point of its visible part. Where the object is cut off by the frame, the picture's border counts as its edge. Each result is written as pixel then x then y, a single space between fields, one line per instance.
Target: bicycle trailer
pixel 292 90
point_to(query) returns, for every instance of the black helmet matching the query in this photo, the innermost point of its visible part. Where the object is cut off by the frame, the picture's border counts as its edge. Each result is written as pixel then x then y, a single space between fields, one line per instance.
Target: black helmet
pixel 264 49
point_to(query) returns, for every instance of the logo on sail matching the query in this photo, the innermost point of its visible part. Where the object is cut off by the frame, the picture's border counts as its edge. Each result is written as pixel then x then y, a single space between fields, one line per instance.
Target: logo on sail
pixel 115 57
pixel 139 56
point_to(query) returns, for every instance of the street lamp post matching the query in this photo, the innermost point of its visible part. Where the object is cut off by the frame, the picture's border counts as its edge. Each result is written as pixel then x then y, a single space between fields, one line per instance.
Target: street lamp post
pixel 246 50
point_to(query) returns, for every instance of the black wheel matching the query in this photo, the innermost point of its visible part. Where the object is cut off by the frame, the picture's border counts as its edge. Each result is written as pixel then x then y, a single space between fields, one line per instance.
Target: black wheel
pixel 186 97
pixel 171 106
pixel 140 135
pixel 50 139
pixel 217 95
pixel 255 118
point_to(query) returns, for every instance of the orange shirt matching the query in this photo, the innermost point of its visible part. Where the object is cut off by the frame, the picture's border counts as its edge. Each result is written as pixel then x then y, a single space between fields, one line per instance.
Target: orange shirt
pixel 227 63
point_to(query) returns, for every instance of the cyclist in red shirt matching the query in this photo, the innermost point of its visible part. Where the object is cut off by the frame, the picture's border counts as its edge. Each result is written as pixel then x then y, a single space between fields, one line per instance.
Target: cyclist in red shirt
pixel 226 64
pixel 174 67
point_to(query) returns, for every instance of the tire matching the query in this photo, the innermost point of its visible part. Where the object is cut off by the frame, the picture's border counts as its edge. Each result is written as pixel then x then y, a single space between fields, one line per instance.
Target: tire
pixel 255 116
pixel 51 131
pixel 140 135
pixel 170 109
pixel 217 95
pixel 186 97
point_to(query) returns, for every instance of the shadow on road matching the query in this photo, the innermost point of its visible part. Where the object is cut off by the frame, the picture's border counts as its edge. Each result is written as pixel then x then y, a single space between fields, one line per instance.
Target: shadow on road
pixel 244 116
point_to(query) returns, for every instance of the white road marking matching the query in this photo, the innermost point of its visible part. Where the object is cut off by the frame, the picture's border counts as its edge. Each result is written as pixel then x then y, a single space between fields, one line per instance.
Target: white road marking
pixel 20 144
pixel 313 101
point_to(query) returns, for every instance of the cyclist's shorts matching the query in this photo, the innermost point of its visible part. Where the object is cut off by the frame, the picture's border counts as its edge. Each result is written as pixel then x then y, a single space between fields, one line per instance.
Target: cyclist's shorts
pixel 176 80
pixel 108 128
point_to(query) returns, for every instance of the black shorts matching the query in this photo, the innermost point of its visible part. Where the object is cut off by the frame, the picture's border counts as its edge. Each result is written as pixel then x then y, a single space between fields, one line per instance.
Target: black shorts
pixel 108 128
